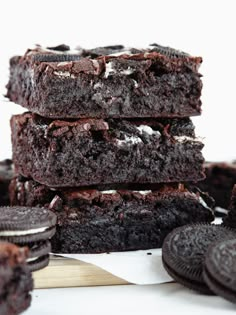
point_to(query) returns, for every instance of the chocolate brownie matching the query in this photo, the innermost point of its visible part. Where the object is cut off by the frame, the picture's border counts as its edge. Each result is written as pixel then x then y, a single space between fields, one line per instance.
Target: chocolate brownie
pixel 94 151
pixel 219 182
pixel 230 218
pixel 92 221
pixel 113 82
pixel 15 280
pixel 6 174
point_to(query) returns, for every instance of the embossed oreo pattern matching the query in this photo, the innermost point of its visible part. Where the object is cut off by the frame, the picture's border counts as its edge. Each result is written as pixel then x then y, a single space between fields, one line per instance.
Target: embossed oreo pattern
pixel 55 57
pixel 185 247
pixel 168 51
pixel 24 218
pixel 220 269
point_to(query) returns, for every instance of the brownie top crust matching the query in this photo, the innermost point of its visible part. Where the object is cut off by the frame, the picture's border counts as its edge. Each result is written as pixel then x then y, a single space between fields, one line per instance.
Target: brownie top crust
pixel 61 61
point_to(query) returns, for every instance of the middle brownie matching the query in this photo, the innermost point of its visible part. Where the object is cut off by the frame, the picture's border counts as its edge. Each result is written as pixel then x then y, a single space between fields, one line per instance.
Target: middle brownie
pixel 94 151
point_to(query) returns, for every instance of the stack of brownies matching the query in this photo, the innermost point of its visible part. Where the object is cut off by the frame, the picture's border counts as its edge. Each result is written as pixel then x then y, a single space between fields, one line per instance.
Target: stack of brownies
pixel 108 144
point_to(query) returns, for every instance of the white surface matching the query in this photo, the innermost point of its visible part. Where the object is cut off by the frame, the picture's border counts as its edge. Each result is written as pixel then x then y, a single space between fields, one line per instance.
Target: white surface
pixel 202 27
pixel 162 299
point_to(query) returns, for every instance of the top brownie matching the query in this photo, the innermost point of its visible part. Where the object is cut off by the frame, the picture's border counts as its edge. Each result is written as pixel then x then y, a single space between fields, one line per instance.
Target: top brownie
pixel 106 82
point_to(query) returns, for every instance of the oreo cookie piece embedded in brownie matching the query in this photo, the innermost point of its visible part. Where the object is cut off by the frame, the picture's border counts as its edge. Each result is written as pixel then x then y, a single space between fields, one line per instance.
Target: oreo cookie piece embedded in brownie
pixel 92 221
pixel 93 152
pixel 184 250
pixel 110 81
pixel 219 182
pixel 15 280
pixel 6 174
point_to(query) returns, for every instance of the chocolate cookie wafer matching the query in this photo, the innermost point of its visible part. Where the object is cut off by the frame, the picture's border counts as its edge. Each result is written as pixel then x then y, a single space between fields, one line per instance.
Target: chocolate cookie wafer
pixel 38 255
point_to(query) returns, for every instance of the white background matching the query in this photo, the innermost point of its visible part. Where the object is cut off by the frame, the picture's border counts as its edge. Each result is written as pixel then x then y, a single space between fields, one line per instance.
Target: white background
pixel 203 27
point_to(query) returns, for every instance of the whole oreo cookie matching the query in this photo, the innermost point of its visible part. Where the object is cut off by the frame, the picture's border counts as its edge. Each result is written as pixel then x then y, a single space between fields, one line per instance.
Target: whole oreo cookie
pixel 184 249
pixel 220 269
pixel 23 225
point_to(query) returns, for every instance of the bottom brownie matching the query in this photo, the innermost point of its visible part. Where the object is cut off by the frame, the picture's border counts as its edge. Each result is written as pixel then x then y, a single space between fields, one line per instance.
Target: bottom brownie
pixel 92 221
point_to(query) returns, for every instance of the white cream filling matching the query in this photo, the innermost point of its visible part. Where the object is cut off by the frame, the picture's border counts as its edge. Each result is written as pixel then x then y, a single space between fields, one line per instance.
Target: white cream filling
pixel 22 233
pixel 31 76
pixel 65 74
pixel 148 130
pixel 135 139
pixel 127 71
pixel 221 210
pixel 143 192
pixel 108 192
pixel 186 138
pixel 125 52
pixel 97 86
pixel 31 259
pixel 135 83
pixel 129 140
pixel 63 63
pixel 109 69
pixel 203 203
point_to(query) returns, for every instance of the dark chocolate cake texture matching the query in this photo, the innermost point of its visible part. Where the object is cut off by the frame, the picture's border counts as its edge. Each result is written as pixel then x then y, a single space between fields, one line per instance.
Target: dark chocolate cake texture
pixel 91 152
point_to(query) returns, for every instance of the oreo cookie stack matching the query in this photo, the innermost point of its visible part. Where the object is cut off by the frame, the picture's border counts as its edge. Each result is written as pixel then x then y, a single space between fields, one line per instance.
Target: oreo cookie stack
pixel 108 144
